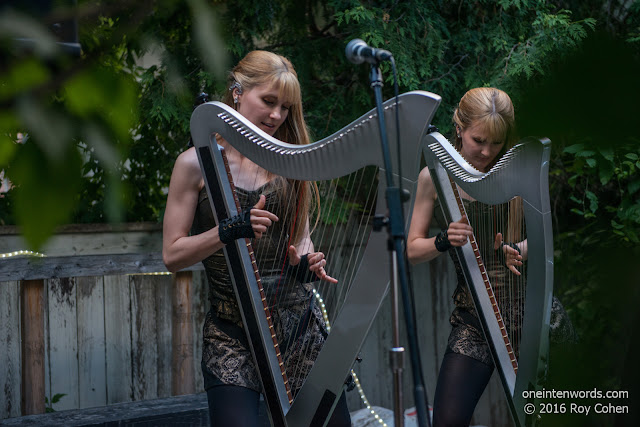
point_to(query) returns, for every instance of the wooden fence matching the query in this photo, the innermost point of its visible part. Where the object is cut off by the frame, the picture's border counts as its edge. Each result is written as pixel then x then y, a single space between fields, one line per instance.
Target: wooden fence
pixel 88 324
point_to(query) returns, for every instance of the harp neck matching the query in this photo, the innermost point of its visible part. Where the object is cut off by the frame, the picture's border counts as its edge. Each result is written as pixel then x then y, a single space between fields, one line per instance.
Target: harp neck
pixel 351 148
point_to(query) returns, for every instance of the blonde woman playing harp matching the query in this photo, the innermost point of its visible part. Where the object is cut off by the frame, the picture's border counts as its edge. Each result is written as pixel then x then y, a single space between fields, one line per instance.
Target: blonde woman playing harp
pixel 484 129
pixel 264 88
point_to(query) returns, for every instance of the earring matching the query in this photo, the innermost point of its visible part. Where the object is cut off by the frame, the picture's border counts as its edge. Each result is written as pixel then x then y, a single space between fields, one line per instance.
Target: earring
pixel 235 101
pixel 236 85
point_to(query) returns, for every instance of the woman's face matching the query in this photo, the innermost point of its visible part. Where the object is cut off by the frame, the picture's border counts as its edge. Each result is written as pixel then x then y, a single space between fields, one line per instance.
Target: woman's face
pixel 477 148
pixel 263 107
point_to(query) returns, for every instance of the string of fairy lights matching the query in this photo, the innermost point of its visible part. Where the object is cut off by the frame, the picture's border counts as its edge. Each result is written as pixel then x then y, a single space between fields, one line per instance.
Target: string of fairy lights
pixel 316 294
pixel 19 253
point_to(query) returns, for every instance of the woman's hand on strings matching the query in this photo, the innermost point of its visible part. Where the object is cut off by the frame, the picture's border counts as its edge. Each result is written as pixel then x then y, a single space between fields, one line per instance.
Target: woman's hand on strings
pixel 260 218
pixel 459 232
pixel 316 263
pixel 512 257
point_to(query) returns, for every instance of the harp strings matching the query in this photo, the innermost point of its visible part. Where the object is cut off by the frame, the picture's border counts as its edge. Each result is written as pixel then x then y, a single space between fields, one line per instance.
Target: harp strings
pixel 482 247
pixel 508 288
pixel 339 222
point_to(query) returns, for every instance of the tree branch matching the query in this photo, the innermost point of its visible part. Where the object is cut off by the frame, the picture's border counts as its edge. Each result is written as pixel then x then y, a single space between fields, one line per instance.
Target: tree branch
pixel 462 58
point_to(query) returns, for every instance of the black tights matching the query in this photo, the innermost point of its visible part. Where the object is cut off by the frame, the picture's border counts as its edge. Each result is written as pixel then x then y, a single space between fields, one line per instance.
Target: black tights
pixel 236 406
pixel 461 382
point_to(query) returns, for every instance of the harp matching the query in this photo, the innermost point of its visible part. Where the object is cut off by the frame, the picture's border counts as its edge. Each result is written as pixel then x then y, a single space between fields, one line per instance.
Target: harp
pixel 514 311
pixel 362 288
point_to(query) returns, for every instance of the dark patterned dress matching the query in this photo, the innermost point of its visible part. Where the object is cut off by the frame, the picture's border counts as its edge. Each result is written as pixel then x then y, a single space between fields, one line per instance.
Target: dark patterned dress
pixel 226 355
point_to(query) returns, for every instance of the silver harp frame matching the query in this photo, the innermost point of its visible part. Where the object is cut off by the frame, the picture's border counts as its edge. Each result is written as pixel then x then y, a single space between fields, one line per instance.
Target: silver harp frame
pixel 351 148
pixel 522 171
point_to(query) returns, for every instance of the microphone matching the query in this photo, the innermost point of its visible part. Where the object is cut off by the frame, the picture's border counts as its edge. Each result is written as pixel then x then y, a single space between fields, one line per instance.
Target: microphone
pixel 358 52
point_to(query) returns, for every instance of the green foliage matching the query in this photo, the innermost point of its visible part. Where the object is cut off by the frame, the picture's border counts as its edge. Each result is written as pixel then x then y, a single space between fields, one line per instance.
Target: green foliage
pixel 616 176
pixel 99 156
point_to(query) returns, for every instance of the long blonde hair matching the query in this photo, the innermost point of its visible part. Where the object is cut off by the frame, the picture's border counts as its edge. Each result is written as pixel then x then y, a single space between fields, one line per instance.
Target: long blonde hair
pixel 490 108
pixel 261 67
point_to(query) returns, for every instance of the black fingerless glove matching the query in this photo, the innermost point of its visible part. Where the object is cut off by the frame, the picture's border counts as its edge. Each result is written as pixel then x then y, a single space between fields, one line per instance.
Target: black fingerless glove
pixel 301 270
pixel 236 227
pixel 442 241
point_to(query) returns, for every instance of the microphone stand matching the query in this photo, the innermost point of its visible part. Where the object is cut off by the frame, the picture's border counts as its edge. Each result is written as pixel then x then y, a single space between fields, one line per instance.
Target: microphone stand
pixel 399 280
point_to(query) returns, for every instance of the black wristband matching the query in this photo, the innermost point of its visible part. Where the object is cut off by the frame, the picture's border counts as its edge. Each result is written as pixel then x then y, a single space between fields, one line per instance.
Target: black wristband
pixel 512 245
pixel 236 227
pixel 301 270
pixel 442 241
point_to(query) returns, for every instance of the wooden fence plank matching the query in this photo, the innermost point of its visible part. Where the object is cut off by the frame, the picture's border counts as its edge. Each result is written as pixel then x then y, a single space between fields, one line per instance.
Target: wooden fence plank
pixel 182 361
pixel 31 268
pixel 162 289
pixel 118 329
pixel 63 341
pixel 10 364
pixel 32 320
pixel 90 239
pixel 47 359
pixel 199 307
pixel 144 338
pixel 91 342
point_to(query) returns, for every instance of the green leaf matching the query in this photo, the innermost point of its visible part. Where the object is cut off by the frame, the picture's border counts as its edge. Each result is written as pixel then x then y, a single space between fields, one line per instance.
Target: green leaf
pixel 585 153
pixel 593 200
pixel 23 77
pixel 56 397
pixel 50 187
pixel 607 153
pixel 606 172
pixel 615 225
pixel 574 148
pixel 7 148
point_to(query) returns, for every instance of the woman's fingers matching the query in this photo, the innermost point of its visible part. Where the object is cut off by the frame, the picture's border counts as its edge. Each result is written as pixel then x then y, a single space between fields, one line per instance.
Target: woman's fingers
pixel 514 270
pixel 265 217
pixel 261 219
pixel 322 275
pixel 294 258
pixel 514 259
pixel 317 262
pixel 315 257
pixel 459 232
